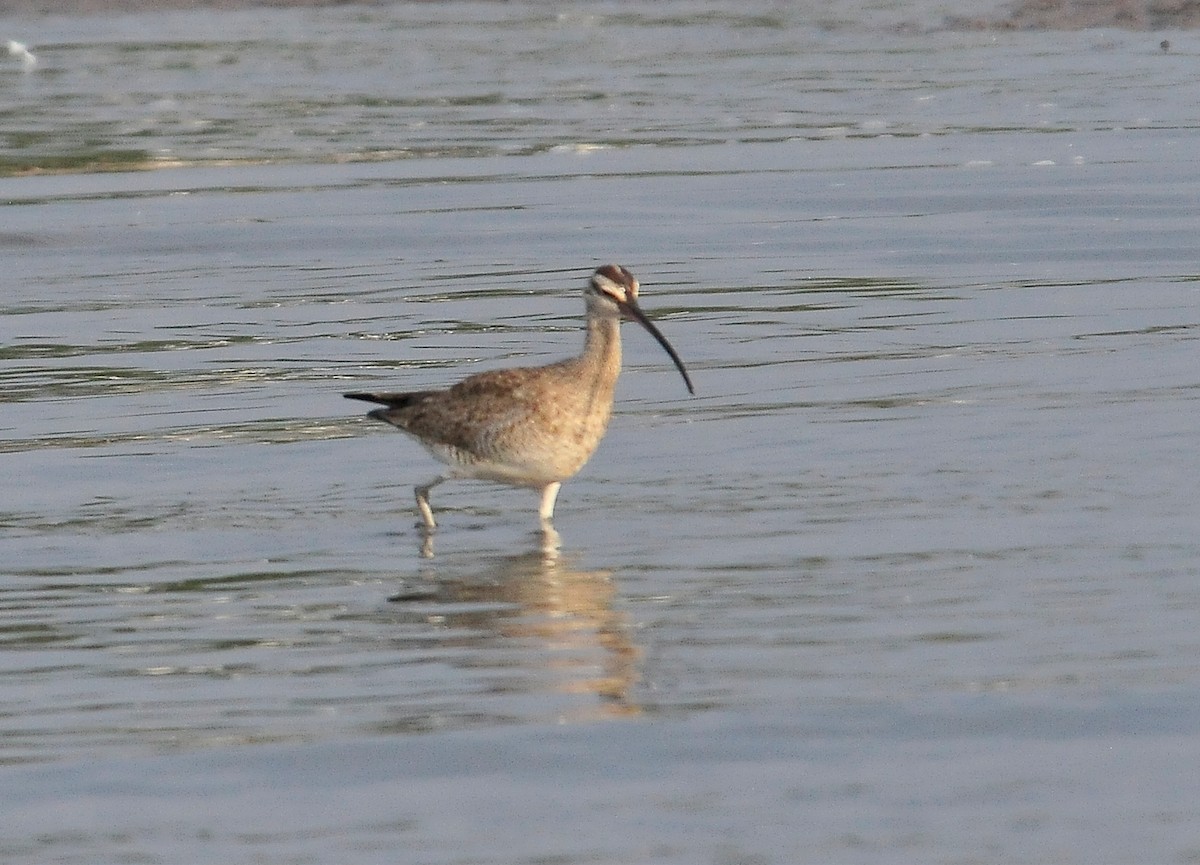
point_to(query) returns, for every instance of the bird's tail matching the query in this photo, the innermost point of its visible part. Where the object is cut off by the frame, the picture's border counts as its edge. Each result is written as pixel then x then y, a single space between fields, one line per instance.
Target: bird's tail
pixel 391 400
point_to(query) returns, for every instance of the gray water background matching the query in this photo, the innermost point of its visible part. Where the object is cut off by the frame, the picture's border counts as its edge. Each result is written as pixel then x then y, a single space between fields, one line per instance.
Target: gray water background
pixel 912 578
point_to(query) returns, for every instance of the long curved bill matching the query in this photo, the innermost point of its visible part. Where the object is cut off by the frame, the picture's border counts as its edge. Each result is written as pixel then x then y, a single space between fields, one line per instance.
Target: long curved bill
pixel 635 313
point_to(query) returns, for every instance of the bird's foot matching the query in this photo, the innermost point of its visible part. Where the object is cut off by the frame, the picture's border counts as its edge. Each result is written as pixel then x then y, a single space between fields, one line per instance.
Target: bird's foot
pixel 426 543
pixel 550 541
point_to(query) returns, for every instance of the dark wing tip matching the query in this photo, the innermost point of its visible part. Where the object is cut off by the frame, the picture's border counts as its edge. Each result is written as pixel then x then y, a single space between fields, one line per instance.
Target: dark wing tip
pixel 392 400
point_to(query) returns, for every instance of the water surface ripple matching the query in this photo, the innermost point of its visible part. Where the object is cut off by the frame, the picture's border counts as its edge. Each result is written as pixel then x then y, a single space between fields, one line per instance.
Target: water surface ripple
pixel 913 577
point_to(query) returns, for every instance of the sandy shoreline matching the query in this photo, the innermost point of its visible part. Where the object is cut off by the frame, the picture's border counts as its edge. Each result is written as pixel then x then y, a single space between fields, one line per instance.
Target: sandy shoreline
pixel 100 7
pixel 1021 15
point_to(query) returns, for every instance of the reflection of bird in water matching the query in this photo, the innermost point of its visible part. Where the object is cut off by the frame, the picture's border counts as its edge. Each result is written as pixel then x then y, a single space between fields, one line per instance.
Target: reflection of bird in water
pixel 529 426
pixel 547 617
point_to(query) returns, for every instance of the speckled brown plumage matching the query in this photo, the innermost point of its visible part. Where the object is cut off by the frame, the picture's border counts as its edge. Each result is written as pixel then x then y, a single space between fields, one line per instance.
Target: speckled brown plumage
pixel 527 426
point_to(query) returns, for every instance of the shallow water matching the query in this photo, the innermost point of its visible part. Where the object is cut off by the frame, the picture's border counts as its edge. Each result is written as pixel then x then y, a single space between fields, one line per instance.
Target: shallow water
pixel 911 578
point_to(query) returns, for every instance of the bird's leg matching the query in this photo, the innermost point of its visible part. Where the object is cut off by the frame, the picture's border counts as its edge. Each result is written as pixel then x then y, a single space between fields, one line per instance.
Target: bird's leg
pixel 549 544
pixel 423 502
pixel 546 511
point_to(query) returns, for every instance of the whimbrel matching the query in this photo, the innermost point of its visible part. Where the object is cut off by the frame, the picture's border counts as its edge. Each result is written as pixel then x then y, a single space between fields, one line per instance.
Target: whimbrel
pixel 527 426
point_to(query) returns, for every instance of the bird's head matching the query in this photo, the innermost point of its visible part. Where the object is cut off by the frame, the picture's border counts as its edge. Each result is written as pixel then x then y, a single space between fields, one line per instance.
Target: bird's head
pixel 613 292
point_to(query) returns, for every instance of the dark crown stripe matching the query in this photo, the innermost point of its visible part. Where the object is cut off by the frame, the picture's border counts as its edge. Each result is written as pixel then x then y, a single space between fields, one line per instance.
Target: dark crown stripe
pixel 617 274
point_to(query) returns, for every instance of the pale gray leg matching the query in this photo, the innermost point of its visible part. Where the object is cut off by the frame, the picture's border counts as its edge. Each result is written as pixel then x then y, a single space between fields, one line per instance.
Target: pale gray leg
pixel 549 495
pixel 549 543
pixel 423 501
